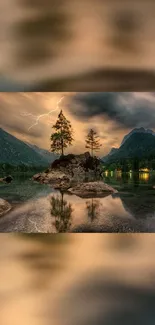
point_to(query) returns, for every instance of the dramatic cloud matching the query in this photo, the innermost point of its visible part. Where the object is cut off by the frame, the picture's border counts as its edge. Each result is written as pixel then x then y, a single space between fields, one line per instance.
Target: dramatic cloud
pixel 112 115
pixel 129 110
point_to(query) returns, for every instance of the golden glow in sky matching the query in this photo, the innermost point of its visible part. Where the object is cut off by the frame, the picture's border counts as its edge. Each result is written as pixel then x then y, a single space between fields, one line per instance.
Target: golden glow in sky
pixel 30 116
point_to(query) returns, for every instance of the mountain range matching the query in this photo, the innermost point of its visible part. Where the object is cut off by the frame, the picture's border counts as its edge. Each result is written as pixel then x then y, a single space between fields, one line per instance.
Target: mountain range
pixel 16 152
pixel 139 143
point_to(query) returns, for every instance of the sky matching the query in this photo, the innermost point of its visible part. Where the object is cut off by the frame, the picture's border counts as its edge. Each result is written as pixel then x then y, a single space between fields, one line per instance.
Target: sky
pixel 30 116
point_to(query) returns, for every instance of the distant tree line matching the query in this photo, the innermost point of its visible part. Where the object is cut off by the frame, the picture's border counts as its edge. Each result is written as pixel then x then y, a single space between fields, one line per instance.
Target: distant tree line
pixel 134 164
pixel 5 167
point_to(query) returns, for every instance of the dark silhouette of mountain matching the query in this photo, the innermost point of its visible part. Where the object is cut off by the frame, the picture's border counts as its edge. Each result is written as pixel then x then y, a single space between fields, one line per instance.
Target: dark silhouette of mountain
pixel 139 143
pixel 137 130
pixel 16 152
pixel 47 155
pixel 106 158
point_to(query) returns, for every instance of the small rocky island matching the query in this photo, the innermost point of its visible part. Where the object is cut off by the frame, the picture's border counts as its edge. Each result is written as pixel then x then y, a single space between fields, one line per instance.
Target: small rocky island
pixel 77 174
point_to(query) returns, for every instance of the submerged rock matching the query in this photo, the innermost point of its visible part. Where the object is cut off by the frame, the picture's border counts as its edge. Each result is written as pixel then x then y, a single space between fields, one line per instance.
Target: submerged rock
pixel 91 189
pixel 4 207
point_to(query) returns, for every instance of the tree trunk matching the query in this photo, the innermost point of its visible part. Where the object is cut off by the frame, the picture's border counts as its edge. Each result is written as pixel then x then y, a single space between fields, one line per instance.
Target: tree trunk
pixel 62 144
pixel 62 147
pixel 62 201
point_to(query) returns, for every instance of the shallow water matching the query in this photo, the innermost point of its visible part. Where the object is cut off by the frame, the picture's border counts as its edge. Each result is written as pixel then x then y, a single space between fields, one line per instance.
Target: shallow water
pixel 22 188
pixel 39 208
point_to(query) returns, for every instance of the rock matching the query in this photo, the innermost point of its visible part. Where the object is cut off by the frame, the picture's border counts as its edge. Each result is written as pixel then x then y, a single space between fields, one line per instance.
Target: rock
pixel 7 179
pixel 37 177
pixel 62 186
pixel 92 189
pixel 4 207
pixel 70 168
pixel 78 165
pixel 53 177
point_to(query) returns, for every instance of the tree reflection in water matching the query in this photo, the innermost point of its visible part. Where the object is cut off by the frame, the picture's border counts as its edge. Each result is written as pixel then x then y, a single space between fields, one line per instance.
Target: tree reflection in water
pixel 62 212
pixel 93 208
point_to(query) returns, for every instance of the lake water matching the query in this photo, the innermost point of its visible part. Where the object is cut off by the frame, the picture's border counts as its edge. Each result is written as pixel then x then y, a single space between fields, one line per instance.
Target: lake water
pixel 39 208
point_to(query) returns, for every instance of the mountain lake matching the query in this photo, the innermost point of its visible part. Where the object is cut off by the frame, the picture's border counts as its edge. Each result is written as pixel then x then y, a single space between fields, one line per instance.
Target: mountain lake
pixel 41 209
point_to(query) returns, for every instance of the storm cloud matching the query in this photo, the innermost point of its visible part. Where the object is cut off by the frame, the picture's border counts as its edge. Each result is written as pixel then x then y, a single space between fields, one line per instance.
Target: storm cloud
pixel 112 115
pixel 126 109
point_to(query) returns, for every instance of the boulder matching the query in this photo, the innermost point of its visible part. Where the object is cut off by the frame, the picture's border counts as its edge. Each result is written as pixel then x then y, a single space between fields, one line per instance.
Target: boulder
pixel 63 186
pixel 7 179
pixel 92 189
pixel 78 165
pixel 4 207
pixel 53 177
pixel 37 177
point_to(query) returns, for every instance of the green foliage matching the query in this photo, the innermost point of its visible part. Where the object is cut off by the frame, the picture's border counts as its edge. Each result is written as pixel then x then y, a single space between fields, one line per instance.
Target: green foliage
pixel 93 142
pixel 62 137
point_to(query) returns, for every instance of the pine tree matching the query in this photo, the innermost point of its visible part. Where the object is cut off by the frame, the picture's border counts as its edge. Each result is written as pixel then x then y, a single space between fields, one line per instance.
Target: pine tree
pixel 92 141
pixel 62 137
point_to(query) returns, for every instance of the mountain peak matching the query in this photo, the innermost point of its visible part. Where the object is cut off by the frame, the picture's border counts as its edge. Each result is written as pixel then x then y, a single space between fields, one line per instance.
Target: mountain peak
pixel 137 130
pixel 133 145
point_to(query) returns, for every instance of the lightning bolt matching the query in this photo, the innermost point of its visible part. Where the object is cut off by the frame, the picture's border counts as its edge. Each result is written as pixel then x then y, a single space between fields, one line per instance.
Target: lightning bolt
pixel 38 117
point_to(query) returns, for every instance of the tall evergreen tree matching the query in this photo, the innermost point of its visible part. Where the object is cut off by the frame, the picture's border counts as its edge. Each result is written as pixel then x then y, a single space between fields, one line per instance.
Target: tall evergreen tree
pixel 62 137
pixel 93 142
